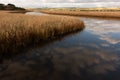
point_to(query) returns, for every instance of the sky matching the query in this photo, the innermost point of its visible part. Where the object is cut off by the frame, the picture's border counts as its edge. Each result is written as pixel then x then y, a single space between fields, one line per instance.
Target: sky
pixel 63 3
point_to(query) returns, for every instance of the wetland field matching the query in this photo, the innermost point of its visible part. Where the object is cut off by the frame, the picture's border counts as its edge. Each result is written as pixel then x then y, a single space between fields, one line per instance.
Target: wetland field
pixel 86 12
pixel 55 44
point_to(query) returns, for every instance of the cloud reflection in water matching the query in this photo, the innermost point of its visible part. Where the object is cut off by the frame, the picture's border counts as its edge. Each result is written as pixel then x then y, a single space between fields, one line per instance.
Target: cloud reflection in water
pixel 59 64
pixel 105 29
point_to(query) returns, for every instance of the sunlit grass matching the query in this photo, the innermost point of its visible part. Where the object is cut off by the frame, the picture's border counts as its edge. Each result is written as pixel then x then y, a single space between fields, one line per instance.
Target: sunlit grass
pixel 83 13
pixel 18 30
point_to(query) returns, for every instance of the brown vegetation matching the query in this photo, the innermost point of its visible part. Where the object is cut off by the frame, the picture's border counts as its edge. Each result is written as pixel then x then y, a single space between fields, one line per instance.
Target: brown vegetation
pixel 83 13
pixel 18 30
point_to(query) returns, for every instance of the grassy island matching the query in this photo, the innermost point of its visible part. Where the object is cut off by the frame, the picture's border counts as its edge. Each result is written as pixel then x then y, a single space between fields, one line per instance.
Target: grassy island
pixel 18 30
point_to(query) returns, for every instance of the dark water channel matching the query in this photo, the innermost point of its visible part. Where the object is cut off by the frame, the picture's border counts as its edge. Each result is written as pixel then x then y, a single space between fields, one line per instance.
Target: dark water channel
pixel 91 54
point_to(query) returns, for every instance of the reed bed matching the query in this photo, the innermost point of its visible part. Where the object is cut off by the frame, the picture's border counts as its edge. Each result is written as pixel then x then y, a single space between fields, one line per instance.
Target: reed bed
pixel 18 31
pixel 83 13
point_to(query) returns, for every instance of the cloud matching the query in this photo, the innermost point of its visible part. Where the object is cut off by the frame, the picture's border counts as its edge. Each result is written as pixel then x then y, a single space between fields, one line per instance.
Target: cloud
pixel 62 3
pixel 57 1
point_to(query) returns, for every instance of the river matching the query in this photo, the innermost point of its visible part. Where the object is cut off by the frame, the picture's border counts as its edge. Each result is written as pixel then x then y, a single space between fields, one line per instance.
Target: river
pixel 91 54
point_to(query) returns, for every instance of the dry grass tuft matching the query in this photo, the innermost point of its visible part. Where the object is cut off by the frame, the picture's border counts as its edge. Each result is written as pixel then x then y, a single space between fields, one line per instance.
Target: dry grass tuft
pixel 18 30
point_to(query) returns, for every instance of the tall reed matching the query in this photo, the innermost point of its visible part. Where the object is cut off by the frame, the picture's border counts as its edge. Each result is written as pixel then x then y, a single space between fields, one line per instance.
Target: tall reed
pixel 18 31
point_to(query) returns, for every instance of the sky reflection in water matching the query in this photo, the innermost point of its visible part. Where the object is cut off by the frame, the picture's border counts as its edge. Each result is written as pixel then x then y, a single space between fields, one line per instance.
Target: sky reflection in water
pixel 92 54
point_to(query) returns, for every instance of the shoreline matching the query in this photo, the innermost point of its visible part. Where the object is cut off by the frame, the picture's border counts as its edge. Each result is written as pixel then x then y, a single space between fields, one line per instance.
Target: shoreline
pixel 15 11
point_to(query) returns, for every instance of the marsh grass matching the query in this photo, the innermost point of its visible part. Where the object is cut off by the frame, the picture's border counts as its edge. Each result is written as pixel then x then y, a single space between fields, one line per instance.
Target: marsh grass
pixel 18 31
pixel 83 13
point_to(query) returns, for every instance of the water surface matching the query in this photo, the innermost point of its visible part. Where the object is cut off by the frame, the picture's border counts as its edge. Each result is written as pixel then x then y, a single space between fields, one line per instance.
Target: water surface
pixel 91 54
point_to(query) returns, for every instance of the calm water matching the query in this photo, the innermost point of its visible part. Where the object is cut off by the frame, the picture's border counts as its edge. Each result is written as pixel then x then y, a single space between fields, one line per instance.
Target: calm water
pixel 91 54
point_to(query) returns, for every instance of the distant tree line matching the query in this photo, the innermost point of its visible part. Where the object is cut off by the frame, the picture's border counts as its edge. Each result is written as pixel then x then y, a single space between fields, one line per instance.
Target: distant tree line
pixel 10 7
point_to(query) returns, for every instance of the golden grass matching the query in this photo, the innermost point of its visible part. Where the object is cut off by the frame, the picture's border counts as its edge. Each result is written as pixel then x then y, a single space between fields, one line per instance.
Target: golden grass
pixel 83 13
pixel 18 30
